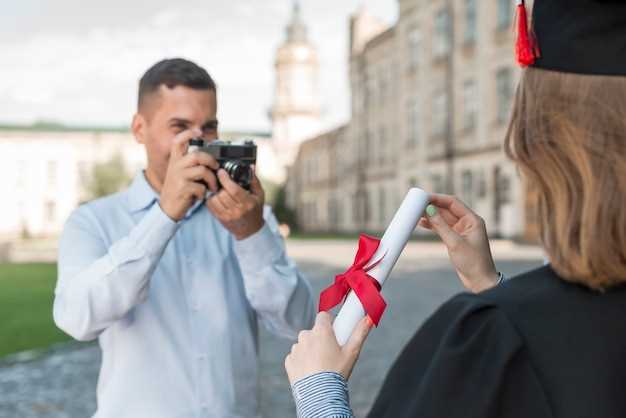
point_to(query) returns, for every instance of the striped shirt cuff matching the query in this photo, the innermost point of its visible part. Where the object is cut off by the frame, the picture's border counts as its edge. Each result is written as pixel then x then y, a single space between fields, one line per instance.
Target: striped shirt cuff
pixel 322 395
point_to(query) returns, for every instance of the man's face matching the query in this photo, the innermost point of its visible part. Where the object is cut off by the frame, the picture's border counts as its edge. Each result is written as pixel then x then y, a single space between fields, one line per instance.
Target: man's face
pixel 168 112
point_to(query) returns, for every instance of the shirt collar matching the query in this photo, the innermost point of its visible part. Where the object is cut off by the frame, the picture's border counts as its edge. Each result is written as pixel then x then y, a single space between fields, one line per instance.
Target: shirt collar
pixel 142 196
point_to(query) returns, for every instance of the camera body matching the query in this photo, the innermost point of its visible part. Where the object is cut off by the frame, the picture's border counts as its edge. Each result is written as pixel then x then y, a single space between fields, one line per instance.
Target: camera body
pixel 235 158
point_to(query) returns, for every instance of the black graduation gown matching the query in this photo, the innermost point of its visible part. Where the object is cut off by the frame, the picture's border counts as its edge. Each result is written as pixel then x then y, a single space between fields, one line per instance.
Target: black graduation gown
pixel 535 346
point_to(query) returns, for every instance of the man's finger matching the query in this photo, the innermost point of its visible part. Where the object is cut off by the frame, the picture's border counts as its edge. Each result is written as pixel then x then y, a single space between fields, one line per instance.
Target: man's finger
pixel 237 193
pixel 255 185
pixel 200 158
pixel 195 173
pixel 216 207
pixel 181 143
pixel 359 334
pixel 450 238
pixel 227 201
pixel 197 190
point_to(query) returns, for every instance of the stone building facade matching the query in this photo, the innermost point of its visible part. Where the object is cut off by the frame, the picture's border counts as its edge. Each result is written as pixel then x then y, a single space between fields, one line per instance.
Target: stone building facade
pixel 431 98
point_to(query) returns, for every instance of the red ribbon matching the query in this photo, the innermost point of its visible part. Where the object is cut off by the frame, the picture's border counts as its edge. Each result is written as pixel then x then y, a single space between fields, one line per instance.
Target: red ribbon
pixel 366 288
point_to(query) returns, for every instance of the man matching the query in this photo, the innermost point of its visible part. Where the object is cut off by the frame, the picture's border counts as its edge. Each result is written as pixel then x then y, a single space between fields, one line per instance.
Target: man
pixel 171 284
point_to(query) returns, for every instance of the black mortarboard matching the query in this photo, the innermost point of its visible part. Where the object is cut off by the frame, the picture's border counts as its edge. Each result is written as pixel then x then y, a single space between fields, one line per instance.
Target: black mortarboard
pixel 574 36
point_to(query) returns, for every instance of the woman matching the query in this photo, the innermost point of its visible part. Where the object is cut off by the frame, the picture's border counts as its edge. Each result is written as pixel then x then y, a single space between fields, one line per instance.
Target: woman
pixel 551 342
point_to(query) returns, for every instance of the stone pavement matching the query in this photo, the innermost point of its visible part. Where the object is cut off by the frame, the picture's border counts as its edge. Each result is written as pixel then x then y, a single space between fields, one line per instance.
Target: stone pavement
pixel 61 384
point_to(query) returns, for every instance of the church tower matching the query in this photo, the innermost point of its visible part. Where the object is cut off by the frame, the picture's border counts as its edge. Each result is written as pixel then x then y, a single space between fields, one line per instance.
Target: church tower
pixel 295 112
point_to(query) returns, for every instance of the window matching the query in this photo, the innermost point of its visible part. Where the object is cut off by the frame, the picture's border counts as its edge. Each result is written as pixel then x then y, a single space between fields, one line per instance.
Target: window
pixel 470 21
pixel 382 202
pixel 504 185
pixel 371 91
pixel 50 211
pixel 384 84
pixel 440 113
pixel 412 114
pixel 437 184
pixel 481 185
pixel 504 91
pixel 383 146
pixel 505 14
pixel 386 81
pixel 356 207
pixel 415 42
pixel 442 36
pixel 51 173
pixel 332 213
pixel 22 173
pixel 371 150
pixel 470 101
pixel 467 187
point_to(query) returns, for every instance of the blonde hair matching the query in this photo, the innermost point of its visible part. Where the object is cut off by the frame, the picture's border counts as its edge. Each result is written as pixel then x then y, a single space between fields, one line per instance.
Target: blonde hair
pixel 568 138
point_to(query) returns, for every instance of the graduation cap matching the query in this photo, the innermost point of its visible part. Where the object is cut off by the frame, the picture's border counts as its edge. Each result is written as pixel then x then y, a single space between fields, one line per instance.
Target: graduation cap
pixel 573 36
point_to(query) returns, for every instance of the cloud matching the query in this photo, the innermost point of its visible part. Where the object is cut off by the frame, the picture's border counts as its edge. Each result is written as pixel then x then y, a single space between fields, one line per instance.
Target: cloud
pixel 84 69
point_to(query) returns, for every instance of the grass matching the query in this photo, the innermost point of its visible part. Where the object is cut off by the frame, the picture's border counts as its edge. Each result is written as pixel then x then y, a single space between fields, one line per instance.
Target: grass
pixel 26 296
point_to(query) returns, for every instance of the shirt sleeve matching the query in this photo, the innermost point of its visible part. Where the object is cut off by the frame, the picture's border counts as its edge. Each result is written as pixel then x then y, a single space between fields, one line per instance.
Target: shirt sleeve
pixel 322 395
pixel 98 284
pixel 468 361
pixel 275 287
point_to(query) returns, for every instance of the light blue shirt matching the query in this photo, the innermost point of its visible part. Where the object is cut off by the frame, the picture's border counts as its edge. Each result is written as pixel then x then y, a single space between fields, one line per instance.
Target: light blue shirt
pixel 174 305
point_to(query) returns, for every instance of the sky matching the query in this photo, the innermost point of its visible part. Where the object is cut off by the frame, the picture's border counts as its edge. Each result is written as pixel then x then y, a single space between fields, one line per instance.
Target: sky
pixel 78 63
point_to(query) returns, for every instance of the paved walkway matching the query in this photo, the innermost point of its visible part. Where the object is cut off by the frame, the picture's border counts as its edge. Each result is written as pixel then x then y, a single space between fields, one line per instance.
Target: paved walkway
pixel 62 383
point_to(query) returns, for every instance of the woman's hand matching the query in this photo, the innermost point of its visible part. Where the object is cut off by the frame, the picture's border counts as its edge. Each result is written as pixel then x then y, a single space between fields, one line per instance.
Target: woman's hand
pixel 464 234
pixel 317 350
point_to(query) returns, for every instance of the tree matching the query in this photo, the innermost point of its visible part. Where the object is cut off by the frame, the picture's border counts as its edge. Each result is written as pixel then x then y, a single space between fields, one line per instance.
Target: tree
pixel 283 213
pixel 107 177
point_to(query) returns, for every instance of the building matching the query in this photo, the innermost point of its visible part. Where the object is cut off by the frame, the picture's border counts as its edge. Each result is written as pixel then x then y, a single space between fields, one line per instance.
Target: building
pixel 296 112
pixel 46 172
pixel 431 97
pixel 47 169
pixel 319 169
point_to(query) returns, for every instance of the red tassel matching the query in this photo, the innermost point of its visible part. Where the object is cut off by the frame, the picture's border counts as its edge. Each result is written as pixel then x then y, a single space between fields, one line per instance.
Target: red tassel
pixel 526 46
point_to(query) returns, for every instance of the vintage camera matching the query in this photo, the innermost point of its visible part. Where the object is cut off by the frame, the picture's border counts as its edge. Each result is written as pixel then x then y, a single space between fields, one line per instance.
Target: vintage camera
pixel 236 159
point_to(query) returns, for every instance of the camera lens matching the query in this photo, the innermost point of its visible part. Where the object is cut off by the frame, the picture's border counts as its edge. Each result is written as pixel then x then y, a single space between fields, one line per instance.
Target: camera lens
pixel 240 173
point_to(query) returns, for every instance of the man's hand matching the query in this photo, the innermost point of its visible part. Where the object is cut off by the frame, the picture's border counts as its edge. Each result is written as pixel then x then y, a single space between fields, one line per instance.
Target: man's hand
pixel 187 178
pixel 240 211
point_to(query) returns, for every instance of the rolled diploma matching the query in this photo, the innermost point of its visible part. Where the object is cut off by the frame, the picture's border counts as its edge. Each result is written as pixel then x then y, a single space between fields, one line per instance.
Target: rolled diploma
pixel 391 245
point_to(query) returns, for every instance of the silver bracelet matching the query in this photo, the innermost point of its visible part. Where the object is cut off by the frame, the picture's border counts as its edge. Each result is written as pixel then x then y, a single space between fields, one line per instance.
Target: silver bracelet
pixel 501 278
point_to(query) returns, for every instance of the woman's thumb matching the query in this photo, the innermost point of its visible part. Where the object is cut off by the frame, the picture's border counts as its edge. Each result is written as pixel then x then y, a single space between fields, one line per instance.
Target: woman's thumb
pixel 441 227
pixel 359 334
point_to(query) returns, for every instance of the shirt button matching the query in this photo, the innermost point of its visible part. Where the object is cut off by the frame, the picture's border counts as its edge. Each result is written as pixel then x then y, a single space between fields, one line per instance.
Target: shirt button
pixel 201 356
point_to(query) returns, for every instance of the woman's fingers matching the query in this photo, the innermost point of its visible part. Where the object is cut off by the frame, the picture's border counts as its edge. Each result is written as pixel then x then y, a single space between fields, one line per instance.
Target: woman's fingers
pixel 425 223
pixel 453 204
pixel 353 347
pixel 449 237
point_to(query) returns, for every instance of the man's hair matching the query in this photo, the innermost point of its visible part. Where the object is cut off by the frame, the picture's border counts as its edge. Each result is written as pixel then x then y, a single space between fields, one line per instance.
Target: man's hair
pixel 174 72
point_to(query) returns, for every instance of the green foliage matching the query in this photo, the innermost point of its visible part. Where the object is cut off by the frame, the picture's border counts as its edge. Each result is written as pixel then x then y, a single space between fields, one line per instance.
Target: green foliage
pixel 283 213
pixel 107 178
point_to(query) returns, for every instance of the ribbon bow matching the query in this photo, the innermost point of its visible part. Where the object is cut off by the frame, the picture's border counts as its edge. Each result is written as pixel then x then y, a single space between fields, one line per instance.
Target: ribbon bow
pixel 366 288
